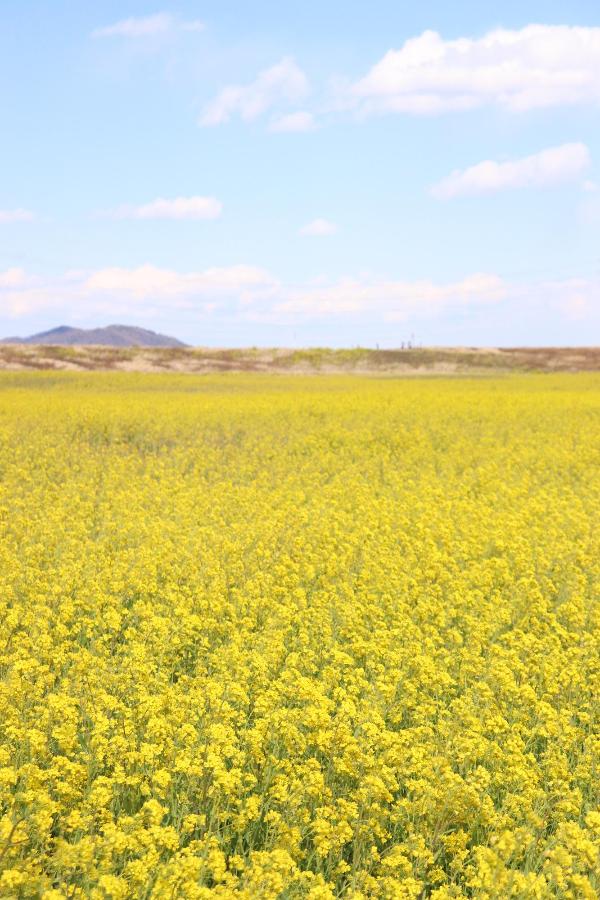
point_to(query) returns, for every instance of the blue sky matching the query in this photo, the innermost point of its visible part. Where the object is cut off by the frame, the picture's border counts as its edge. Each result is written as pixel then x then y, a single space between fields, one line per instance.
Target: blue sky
pixel 303 173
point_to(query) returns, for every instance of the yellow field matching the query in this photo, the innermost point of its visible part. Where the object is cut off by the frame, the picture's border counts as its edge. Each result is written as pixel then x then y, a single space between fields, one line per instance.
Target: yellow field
pixel 285 637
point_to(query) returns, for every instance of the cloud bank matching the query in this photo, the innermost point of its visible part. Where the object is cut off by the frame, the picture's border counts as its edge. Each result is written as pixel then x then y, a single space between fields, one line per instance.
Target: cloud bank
pixel 246 293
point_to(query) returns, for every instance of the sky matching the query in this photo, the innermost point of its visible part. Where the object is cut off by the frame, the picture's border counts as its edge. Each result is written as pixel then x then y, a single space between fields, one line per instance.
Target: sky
pixel 303 173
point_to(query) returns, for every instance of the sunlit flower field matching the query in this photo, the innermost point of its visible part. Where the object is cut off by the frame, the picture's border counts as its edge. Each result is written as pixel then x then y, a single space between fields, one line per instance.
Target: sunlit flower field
pixel 286 637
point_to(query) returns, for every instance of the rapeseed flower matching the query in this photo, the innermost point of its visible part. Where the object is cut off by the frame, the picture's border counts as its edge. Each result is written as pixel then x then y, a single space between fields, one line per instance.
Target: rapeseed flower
pixel 299 637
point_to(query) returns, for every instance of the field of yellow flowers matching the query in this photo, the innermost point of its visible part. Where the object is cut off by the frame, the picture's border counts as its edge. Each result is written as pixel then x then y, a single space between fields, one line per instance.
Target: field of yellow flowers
pixel 286 637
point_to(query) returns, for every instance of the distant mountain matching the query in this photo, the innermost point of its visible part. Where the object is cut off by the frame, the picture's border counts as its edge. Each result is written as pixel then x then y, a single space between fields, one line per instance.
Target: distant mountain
pixel 111 336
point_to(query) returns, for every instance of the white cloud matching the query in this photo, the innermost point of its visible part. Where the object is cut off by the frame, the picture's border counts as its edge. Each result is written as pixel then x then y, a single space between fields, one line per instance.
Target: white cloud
pixel 319 228
pixel 392 299
pixel 590 187
pixel 282 83
pixel 151 283
pixel 178 208
pixel 535 67
pixel 20 293
pixel 192 25
pixel 12 278
pixel 576 304
pixel 146 26
pixel 15 215
pixel 298 121
pixel 548 167
pixel 575 298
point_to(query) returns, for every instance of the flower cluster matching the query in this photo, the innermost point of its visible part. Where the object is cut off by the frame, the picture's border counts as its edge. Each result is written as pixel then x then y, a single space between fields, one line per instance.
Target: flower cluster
pixel 295 637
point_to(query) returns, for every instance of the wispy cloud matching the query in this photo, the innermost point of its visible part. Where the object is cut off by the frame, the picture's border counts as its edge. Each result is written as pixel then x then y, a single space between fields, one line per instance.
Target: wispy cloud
pixel 147 26
pixel 282 83
pixel 319 228
pixel 555 165
pixel 294 122
pixel 178 208
pixel 530 68
pixel 15 215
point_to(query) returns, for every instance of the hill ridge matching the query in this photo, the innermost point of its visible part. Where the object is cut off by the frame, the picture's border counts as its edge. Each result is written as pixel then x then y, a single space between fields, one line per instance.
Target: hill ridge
pixel 108 336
